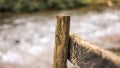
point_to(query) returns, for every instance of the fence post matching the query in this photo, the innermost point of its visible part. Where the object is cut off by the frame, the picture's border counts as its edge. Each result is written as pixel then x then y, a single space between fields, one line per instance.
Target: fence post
pixel 61 41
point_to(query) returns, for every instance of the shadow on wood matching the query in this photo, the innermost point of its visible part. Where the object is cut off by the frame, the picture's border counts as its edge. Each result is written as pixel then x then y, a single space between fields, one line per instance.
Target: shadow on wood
pixel 87 55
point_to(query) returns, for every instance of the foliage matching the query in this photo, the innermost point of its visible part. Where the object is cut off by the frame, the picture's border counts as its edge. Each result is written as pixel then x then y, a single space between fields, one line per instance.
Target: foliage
pixel 34 5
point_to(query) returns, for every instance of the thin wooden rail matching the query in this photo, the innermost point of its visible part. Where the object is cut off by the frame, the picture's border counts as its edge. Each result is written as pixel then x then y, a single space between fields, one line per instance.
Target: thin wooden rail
pixel 61 42
pixel 87 55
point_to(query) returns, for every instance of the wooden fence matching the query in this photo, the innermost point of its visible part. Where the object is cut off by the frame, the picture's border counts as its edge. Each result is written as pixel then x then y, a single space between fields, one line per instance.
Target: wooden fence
pixel 79 52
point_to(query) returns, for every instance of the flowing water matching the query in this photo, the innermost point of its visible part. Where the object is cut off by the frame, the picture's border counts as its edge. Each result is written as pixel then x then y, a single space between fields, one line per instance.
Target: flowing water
pixel 29 41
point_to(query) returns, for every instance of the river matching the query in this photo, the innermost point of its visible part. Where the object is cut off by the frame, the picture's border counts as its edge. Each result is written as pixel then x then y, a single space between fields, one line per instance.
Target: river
pixel 29 41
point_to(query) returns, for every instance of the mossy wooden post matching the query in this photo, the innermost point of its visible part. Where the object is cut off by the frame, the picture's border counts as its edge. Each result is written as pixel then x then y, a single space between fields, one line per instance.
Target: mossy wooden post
pixel 61 41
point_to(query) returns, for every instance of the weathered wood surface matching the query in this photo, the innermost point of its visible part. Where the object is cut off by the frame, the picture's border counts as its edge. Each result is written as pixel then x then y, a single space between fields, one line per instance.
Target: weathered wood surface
pixel 87 55
pixel 61 42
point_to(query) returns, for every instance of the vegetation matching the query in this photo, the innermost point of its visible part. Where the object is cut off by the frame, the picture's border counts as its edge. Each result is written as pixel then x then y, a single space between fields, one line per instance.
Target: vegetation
pixel 34 5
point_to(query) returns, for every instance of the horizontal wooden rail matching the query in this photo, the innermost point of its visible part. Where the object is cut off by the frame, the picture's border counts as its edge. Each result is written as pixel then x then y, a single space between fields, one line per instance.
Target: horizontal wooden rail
pixel 87 55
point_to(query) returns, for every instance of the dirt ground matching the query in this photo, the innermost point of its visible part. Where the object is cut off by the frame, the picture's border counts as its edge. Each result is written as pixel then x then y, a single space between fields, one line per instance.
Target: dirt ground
pixel 29 41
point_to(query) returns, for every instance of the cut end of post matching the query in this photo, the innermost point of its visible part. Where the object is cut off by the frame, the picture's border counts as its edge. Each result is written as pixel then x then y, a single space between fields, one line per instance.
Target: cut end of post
pixel 62 15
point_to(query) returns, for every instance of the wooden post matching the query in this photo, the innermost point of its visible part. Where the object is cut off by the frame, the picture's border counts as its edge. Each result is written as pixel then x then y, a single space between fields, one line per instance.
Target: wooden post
pixel 61 41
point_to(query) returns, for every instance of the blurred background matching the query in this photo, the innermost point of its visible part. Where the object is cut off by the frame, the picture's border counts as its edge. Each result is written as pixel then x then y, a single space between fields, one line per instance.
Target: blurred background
pixel 27 28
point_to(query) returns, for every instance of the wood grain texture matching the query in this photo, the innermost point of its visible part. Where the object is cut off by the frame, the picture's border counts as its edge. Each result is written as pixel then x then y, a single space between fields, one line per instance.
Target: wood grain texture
pixel 61 42
pixel 87 55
